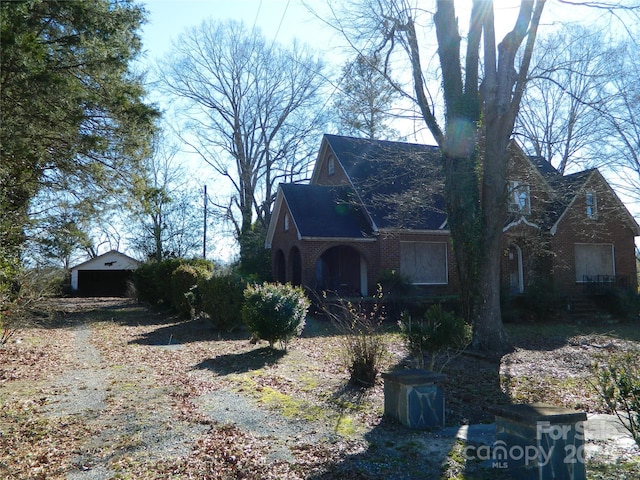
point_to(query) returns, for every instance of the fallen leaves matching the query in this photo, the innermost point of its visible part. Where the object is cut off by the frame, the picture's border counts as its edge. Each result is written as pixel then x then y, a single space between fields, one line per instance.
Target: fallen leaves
pixel 156 367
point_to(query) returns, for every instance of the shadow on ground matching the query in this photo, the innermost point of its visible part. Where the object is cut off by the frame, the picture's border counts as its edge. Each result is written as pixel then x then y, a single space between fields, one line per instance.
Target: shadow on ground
pixel 63 312
pixel 241 362
pixel 186 331
pixel 396 451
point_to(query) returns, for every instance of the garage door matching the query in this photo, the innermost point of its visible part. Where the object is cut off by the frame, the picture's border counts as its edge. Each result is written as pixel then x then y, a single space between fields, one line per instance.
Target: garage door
pixel 103 283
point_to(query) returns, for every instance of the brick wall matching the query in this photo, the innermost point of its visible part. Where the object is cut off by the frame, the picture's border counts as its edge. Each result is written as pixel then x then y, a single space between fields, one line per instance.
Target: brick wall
pixel 609 226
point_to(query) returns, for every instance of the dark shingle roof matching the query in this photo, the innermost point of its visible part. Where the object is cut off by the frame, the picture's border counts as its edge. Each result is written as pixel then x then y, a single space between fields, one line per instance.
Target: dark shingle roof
pixel 566 187
pixel 545 168
pixel 326 211
pixel 399 183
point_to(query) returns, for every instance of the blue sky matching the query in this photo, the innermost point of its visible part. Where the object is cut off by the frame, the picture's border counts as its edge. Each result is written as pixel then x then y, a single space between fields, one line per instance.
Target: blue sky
pixel 284 20
pixel 281 20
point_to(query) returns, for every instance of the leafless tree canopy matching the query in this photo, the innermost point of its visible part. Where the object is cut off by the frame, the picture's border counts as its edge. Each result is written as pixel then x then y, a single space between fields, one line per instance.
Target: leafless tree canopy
pixel 250 107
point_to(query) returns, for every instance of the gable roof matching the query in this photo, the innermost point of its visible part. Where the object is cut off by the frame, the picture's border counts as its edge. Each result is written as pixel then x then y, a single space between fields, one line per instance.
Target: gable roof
pixel 326 211
pixel 321 211
pixel 564 190
pixel 398 185
pixel 392 179
pixel 569 186
pixel 112 259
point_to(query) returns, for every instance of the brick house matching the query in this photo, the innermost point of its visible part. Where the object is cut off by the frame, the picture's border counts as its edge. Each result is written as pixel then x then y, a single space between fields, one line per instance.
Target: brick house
pixel 359 217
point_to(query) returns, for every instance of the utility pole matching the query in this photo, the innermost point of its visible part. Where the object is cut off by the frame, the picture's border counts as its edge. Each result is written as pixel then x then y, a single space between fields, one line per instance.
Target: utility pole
pixel 204 230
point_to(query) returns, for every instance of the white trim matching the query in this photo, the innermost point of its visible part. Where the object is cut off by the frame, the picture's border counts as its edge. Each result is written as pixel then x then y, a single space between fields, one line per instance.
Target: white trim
pixel 364 288
pixel 520 220
pixel 593 205
pixel 520 267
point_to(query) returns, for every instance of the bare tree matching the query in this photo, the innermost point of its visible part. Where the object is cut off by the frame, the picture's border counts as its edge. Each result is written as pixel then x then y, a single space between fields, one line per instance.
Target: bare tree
pixel 567 95
pixel 623 115
pixel 250 107
pixel 473 130
pixel 164 218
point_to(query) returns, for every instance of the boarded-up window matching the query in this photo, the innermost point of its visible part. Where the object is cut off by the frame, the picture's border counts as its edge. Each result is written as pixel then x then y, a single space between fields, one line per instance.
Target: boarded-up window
pixel 424 262
pixel 593 261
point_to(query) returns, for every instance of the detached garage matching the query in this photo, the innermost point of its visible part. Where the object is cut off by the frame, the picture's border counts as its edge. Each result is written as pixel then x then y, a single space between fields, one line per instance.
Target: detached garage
pixel 103 276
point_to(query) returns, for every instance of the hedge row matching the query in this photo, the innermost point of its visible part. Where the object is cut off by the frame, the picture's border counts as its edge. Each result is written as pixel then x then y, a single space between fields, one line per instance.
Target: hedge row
pixel 271 312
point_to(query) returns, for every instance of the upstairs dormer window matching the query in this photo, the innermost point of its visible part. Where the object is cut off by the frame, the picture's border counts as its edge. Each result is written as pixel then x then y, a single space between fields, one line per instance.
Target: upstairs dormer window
pixel 331 165
pixel 592 205
pixel 519 198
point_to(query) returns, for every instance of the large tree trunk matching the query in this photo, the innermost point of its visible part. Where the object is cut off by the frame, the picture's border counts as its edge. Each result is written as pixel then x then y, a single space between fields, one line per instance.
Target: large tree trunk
pixel 479 119
pixel 463 211
pixel 489 334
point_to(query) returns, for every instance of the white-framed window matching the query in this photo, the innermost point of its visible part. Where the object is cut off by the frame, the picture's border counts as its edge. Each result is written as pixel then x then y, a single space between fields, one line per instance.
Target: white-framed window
pixel 519 198
pixel 594 262
pixel 331 165
pixel 425 262
pixel 286 222
pixel 592 204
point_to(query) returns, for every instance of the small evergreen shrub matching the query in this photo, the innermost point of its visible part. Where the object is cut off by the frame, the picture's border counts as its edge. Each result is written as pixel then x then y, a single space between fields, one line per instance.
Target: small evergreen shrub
pixel 617 381
pixel 275 312
pixel 222 297
pixel 184 282
pixel 397 288
pixel 436 332
pixel 394 284
pixel 622 304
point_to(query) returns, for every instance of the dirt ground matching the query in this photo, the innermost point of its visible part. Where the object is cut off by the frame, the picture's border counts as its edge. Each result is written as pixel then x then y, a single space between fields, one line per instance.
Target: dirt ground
pixel 107 388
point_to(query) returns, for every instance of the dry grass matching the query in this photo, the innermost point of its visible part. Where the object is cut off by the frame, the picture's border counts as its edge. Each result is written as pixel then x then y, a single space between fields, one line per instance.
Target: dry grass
pixel 150 422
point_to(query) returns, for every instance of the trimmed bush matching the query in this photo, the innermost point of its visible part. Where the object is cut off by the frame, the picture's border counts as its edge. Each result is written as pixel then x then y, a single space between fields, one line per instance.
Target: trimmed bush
pixel 153 280
pixel 222 297
pixel 184 282
pixel 437 331
pixel 275 312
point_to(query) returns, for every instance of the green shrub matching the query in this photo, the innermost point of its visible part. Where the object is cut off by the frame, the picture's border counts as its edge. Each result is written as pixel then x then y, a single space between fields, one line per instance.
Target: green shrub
pixel 395 284
pixel 617 381
pixel 275 312
pixel 221 297
pixel 623 304
pixel 436 332
pixel 184 281
pixel 397 288
pixel 153 280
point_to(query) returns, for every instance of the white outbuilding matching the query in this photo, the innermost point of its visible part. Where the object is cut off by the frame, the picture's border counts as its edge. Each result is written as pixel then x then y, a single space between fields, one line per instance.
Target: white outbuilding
pixel 106 275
